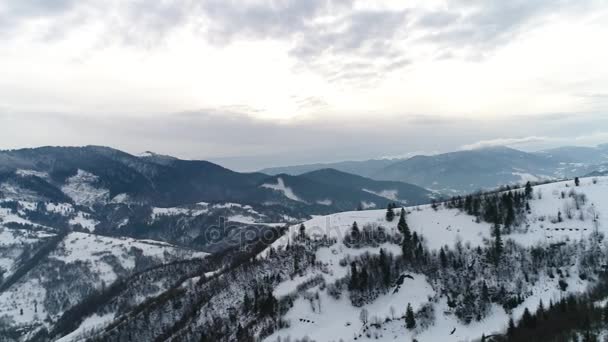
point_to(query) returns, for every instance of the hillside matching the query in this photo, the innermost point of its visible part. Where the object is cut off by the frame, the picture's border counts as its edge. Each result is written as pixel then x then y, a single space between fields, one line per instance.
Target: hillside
pixel 100 176
pixel 400 192
pixel 46 275
pixel 463 172
pixel 327 281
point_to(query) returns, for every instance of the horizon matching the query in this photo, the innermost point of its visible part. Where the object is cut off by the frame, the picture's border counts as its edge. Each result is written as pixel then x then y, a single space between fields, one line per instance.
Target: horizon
pixel 319 163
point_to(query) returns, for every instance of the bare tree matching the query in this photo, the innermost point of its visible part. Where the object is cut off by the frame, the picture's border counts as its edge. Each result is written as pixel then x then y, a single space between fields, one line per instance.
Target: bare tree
pixel 364 316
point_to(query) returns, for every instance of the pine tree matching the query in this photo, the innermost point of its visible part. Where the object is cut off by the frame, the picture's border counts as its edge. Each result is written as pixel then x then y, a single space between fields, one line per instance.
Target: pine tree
pixel 390 213
pixel 355 233
pixel 403 227
pixel 529 191
pixel 410 320
pixel 485 293
pixel 527 321
pixel 354 277
pixel 443 258
pixel 246 303
pixel 498 245
pixel 511 328
pixel 386 268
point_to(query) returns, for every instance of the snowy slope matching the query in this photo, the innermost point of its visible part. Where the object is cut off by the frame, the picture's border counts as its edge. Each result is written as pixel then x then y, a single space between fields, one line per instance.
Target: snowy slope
pixel 325 318
pixel 81 263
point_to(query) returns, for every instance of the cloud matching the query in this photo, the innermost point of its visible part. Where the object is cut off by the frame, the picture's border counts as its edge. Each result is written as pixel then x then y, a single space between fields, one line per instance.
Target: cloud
pixel 503 142
pixel 326 36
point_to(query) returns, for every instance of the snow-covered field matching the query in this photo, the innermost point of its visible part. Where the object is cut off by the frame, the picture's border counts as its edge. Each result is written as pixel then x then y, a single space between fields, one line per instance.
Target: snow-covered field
pixel 329 319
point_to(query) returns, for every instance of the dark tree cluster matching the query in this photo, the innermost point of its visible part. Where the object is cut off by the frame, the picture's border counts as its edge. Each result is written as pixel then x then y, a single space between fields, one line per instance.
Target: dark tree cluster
pixel 506 208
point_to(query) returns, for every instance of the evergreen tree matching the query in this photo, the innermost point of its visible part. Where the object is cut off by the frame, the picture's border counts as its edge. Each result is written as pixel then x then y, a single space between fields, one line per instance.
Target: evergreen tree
pixel 529 190
pixel 511 328
pixel 355 233
pixel 410 320
pixel 485 293
pixel 527 321
pixel 404 228
pixel 390 213
pixel 246 303
pixel 443 258
pixel 385 267
pixel 354 277
pixel 302 231
pixel 498 245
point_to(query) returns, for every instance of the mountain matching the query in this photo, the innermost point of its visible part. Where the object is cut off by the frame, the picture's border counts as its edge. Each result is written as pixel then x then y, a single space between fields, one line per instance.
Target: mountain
pixel 394 191
pixel 468 171
pixel 577 154
pixel 362 168
pixel 114 193
pixel 459 275
pixel 462 172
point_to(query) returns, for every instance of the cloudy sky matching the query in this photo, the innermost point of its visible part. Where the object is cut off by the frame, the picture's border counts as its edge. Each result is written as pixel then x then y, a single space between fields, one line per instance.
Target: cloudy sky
pixel 255 83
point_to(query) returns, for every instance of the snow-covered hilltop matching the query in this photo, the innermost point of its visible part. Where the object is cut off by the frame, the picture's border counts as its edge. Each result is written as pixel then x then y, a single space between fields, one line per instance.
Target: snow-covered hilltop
pixel 558 216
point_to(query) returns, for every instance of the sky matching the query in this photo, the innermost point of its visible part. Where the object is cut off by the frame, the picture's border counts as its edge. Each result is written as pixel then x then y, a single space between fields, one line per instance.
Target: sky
pixel 253 84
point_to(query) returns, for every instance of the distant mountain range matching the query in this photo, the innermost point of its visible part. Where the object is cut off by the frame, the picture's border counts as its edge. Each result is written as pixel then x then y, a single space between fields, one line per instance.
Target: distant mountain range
pixel 471 170
pixel 151 196
pixel 99 175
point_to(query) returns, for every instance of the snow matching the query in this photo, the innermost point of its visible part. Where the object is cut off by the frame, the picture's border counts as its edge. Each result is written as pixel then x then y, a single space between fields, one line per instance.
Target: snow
pixel 59 208
pixel 7 216
pixel 12 243
pixel 368 205
pixel 447 226
pixel 336 319
pixel 80 188
pixel 241 219
pixel 28 173
pixel 281 187
pixel 30 293
pixel 392 195
pixel 325 202
pixel 121 198
pixel 526 177
pixel 156 212
pixel 92 248
pixel 94 322
pixel 84 221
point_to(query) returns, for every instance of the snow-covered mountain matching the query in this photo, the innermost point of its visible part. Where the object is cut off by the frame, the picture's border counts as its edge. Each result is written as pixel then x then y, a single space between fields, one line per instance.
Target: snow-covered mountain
pixel 463 172
pixel 451 271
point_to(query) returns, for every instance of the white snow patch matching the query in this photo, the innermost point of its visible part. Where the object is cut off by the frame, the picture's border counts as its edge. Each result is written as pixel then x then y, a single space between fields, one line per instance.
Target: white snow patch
pixel 327 202
pixel 84 220
pixel 281 187
pixel 91 323
pixel 392 195
pixel 26 173
pixel 80 188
